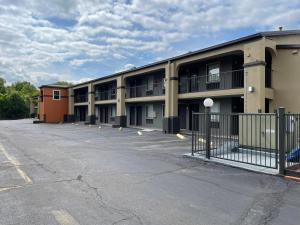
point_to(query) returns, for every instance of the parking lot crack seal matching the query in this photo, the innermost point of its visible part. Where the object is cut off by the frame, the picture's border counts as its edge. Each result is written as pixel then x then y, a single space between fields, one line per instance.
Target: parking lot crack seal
pixel 126 213
pixel 264 208
pixel 41 165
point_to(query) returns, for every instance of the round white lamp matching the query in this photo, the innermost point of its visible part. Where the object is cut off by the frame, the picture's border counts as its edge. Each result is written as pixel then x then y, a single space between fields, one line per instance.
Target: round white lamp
pixel 208 103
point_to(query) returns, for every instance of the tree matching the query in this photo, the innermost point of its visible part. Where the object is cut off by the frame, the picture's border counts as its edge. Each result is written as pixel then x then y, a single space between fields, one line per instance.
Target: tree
pixel 25 89
pixel 63 83
pixel 15 99
pixel 2 86
pixel 13 106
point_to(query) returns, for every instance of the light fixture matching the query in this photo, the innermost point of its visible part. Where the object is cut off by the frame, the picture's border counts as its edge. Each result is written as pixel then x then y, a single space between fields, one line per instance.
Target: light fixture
pixel 208 102
pixel 251 89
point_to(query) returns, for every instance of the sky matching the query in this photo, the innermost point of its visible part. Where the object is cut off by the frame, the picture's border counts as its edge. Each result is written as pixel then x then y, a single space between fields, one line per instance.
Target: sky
pixel 44 41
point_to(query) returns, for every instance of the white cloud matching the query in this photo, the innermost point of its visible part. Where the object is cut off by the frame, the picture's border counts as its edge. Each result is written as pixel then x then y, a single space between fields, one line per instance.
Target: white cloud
pixel 35 39
pixel 126 67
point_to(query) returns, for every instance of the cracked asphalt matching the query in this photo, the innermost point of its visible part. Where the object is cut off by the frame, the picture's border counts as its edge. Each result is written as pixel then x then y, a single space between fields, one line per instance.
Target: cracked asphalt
pixel 70 174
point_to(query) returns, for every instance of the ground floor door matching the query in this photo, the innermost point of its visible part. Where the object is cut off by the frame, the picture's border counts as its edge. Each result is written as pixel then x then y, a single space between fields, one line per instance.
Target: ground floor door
pixel 136 115
pixel 103 114
pixel 185 112
pixel 183 116
pixel 193 108
pixel 81 113
pixel 237 106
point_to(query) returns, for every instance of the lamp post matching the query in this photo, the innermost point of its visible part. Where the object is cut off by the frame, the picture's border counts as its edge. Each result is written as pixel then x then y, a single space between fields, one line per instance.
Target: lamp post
pixel 208 103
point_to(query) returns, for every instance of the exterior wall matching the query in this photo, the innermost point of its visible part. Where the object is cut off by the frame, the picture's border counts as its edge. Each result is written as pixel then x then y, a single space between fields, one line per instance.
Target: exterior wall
pixel 286 75
pixel 286 80
pixel 53 111
pixel 157 121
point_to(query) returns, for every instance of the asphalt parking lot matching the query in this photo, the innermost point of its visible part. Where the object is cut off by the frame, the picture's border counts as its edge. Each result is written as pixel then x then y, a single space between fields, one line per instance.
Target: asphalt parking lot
pixel 69 174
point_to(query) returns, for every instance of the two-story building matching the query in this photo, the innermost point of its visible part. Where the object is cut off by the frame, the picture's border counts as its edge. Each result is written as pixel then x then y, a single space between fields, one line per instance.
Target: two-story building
pixel 256 73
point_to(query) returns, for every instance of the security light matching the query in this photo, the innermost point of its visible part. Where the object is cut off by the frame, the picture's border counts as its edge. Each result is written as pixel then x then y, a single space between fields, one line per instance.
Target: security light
pixel 208 102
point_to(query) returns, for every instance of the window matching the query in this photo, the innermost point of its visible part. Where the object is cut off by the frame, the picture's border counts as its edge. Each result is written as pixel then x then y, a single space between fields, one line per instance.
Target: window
pixel 42 96
pixel 213 72
pixel 56 94
pixel 113 111
pixel 150 113
pixel 150 83
pixel 215 109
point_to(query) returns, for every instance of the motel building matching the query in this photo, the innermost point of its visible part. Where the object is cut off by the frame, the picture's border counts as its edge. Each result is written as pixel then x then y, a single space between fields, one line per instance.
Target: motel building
pixel 253 74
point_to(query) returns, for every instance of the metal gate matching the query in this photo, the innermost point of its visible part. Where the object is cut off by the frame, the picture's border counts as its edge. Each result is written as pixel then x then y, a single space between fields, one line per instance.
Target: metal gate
pixel 292 144
pixel 244 138
pixel 269 140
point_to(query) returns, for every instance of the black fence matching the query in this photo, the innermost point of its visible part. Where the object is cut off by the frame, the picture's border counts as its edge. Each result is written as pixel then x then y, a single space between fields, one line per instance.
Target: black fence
pixel 219 81
pixel 292 143
pixel 105 95
pixel 268 140
pixel 80 98
pixel 144 90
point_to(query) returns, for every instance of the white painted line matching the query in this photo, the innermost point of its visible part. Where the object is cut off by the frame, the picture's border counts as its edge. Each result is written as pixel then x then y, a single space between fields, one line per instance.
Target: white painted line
pixel 9 188
pixel 16 164
pixel 64 218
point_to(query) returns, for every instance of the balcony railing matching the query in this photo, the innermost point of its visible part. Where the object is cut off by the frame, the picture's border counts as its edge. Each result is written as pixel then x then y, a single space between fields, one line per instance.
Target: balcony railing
pixel 144 90
pixel 219 81
pixel 80 98
pixel 105 95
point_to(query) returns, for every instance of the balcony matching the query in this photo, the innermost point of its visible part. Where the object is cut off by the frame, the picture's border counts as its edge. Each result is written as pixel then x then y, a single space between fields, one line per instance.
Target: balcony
pixel 105 95
pixel 219 81
pixel 81 98
pixel 145 90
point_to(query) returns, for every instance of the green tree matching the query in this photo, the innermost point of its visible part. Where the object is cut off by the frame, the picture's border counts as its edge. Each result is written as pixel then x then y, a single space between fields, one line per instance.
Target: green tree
pixel 15 99
pixel 2 86
pixel 13 106
pixel 25 89
pixel 63 83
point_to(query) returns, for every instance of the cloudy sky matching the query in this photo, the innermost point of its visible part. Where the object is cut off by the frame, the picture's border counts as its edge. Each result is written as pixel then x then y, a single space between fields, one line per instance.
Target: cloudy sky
pixel 43 41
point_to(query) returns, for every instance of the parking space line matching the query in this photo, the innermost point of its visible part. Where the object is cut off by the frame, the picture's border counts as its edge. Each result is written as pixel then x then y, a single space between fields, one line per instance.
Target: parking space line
pixel 16 164
pixel 64 218
pixel 157 142
pixel 9 188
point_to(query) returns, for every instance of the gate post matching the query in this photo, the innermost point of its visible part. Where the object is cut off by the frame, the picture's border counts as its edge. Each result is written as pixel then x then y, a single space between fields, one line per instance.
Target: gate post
pixel 193 133
pixel 281 140
pixel 207 131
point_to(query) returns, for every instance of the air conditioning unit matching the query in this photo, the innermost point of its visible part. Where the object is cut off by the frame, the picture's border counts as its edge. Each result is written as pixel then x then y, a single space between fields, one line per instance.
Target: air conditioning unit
pixel 149 92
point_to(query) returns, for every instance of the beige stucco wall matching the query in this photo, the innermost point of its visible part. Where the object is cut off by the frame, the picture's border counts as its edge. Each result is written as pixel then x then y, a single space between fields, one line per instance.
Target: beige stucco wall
pixel 286 80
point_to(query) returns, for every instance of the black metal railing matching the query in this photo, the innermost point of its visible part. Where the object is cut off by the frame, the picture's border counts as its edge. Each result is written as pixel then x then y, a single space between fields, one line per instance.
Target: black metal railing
pixel 220 81
pixel 144 90
pixel 292 142
pixel 81 98
pixel 105 95
pixel 245 138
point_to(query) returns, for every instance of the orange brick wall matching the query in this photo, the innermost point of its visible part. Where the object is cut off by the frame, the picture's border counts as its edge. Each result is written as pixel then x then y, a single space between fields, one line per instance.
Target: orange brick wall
pixel 53 111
